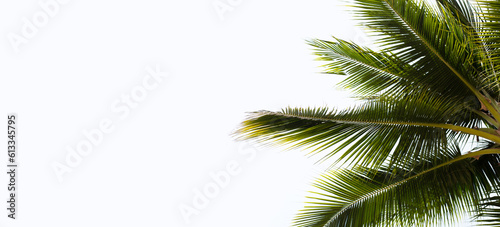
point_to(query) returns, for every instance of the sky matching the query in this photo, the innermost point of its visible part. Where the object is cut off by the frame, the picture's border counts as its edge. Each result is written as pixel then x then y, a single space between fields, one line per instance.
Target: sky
pixel 125 109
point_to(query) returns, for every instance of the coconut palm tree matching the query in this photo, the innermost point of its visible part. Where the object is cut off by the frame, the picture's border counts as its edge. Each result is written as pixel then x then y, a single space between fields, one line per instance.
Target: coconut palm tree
pixel 403 156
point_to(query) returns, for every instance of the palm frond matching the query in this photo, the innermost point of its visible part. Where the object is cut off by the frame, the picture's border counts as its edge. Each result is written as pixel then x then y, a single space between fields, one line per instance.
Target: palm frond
pixel 489 213
pixel 462 10
pixel 408 129
pixel 369 72
pixel 436 45
pixel 488 35
pixel 490 25
pixel 372 74
pixel 421 194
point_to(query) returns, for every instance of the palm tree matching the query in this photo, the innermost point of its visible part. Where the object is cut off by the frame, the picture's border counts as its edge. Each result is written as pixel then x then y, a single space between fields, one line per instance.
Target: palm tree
pixel 404 156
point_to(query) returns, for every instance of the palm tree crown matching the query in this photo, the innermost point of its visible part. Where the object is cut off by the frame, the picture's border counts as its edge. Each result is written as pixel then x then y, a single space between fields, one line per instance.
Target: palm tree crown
pixel 430 89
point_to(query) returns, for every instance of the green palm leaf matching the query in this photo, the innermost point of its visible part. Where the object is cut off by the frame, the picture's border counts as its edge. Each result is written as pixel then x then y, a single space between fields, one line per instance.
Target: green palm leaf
pixel 371 73
pixel 490 25
pixel 422 194
pixel 463 11
pixel 435 44
pixel 490 212
pixel 368 72
pixel 488 35
pixel 402 129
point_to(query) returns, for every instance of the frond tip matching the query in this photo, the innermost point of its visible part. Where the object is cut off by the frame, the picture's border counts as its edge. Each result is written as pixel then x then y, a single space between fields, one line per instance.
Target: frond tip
pixel 489 212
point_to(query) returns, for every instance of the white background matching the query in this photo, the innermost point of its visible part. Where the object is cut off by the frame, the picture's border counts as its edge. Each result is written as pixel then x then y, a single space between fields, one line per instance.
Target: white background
pixel 66 78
